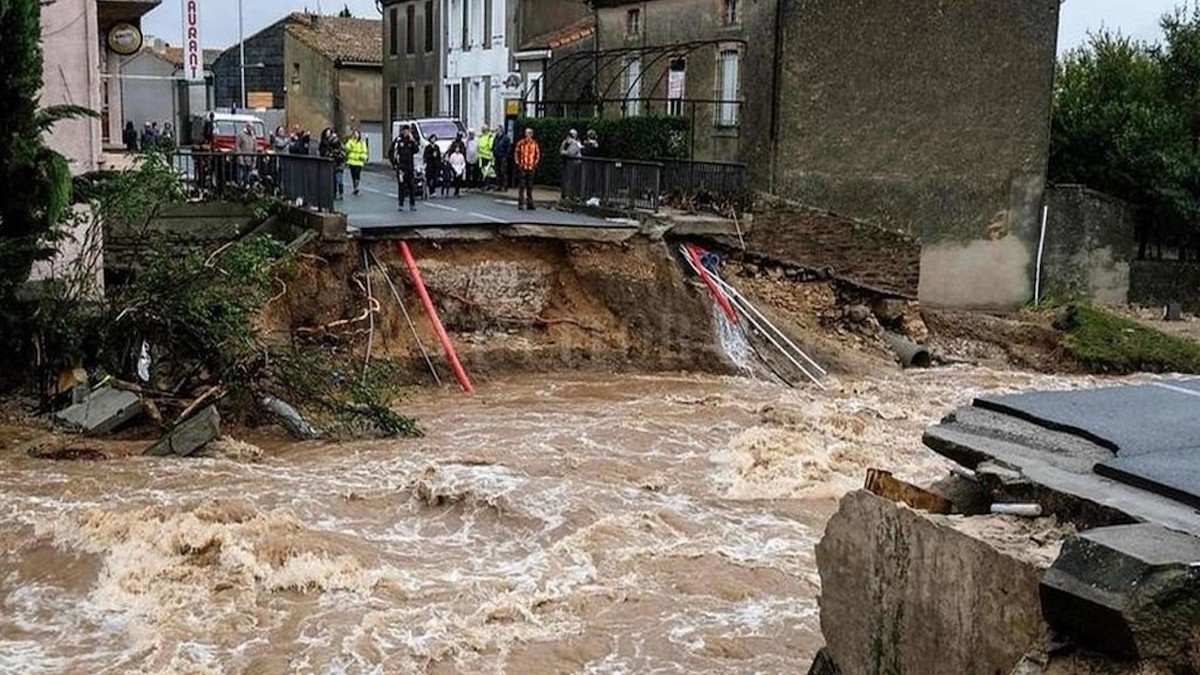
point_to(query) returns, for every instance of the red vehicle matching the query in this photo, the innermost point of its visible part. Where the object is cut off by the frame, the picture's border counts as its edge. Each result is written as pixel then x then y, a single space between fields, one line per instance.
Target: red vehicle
pixel 226 127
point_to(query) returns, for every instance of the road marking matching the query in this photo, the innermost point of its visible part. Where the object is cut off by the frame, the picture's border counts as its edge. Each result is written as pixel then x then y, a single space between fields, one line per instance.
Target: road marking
pixel 393 195
pixel 506 202
pixel 1178 390
pixel 440 206
pixel 491 218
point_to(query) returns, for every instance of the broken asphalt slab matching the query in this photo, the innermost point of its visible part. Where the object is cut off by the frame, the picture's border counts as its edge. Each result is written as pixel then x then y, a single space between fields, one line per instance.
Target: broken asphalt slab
pixel 189 435
pixel 1130 591
pixel 101 412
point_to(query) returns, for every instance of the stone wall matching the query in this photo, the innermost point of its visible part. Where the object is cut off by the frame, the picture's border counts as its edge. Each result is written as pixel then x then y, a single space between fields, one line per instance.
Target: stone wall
pixel 1157 282
pixel 265 47
pixel 1090 242
pixel 926 118
pixel 861 252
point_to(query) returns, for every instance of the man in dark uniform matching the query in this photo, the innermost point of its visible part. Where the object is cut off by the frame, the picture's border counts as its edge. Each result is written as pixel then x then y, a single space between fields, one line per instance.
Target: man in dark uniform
pixel 403 157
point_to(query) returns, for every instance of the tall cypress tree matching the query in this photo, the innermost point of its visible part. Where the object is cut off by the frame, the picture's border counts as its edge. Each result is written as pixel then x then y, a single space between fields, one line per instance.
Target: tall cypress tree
pixel 36 180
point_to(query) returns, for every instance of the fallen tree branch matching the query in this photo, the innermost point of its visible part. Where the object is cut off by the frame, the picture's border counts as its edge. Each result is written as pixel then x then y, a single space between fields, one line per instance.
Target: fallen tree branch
pixel 215 391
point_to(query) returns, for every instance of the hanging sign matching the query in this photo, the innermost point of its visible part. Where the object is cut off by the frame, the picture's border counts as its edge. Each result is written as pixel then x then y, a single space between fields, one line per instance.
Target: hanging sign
pixel 193 53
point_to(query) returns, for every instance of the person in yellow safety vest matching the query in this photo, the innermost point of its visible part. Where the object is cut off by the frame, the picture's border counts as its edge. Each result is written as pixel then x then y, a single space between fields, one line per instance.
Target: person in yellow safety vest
pixel 356 157
pixel 487 158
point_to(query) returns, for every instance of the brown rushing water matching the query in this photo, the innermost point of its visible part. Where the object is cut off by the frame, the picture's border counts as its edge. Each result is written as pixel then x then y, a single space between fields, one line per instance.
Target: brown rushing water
pixel 575 524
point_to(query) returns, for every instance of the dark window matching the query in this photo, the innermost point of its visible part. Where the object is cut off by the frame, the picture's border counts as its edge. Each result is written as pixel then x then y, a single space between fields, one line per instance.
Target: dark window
pixel 429 111
pixel 729 12
pixel 410 30
pixel 296 74
pixel 633 22
pixel 393 32
pixel 466 26
pixel 428 25
pixel 392 103
pixel 487 24
pixel 410 100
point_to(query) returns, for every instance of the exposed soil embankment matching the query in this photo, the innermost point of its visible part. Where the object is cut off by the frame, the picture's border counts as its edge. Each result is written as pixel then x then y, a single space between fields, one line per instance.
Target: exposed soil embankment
pixel 533 305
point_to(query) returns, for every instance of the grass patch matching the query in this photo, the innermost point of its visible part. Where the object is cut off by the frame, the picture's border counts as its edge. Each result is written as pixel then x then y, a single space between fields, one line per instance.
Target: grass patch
pixel 1105 343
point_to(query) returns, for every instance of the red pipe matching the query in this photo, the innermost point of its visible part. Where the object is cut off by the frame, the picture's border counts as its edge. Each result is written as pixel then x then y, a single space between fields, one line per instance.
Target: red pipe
pixel 712 286
pixel 434 321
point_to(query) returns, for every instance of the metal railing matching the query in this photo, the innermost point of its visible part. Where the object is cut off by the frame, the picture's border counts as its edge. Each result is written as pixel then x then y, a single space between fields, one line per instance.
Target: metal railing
pixel 301 179
pixel 718 184
pixel 614 183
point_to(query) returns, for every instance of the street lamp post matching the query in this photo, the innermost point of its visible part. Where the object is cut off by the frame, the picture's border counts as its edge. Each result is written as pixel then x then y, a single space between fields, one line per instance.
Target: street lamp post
pixel 242 55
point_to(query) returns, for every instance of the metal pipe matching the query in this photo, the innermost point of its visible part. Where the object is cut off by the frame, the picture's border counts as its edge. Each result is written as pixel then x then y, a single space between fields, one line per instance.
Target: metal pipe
pixel 242 55
pixel 733 292
pixel 436 322
pixel 757 326
pixel 1037 274
pixel 407 317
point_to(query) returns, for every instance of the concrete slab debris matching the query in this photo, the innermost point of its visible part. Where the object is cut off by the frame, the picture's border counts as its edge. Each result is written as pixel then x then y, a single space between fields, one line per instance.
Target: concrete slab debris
pixel 189 435
pixel 1130 591
pixel 102 411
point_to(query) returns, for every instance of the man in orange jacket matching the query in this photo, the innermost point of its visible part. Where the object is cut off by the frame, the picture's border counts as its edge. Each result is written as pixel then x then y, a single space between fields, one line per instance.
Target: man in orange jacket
pixel 527 155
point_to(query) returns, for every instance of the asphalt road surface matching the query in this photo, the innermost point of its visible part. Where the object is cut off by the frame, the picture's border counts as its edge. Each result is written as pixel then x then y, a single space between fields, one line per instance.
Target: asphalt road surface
pixel 376 207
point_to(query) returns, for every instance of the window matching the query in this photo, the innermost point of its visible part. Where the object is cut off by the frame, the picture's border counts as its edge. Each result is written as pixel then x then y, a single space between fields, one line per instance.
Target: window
pixel 410 100
pixel 633 87
pixel 633 22
pixel 454 94
pixel 727 71
pixel 487 24
pixel 428 95
pixel 676 86
pixel 393 107
pixel 428 25
pixel 729 12
pixel 296 74
pixel 410 30
pixel 393 32
pixel 466 26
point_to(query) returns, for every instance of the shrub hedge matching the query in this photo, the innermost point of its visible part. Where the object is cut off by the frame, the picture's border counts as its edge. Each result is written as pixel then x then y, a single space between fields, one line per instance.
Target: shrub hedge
pixel 635 138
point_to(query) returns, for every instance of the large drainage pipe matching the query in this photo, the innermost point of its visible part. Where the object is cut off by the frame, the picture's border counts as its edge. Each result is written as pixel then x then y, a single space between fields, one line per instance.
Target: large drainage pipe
pixel 911 354
pixel 431 312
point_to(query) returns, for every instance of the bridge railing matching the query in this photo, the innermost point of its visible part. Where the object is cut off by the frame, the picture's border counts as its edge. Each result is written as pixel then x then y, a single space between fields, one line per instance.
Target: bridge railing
pixel 718 184
pixel 615 183
pixel 301 179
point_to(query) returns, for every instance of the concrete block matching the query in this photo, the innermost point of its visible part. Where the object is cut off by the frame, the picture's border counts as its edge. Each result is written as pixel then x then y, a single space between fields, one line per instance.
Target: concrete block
pixel 1130 592
pixel 102 411
pixel 190 435
pixel 907 592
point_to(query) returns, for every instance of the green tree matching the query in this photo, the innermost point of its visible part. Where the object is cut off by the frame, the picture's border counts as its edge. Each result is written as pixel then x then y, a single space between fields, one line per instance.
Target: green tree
pixel 345 13
pixel 1127 122
pixel 40 178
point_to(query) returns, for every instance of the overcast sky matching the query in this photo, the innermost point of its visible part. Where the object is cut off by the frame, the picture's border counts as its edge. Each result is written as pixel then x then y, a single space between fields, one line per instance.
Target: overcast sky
pixel 218 18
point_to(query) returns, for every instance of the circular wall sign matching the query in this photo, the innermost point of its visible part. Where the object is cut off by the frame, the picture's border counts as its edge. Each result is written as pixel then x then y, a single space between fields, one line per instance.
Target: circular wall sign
pixel 125 39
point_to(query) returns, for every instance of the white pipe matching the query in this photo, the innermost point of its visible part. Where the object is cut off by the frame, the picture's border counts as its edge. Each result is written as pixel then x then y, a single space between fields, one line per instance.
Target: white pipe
pixel 242 63
pixel 1025 510
pixel 396 294
pixel 760 329
pixel 733 292
pixel 1037 274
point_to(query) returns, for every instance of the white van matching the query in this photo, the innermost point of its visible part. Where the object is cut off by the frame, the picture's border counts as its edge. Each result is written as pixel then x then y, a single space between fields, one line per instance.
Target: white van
pixel 445 128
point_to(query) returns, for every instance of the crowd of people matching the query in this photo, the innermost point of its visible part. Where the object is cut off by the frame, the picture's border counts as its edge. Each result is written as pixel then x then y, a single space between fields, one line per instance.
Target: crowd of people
pixel 152 137
pixel 487 161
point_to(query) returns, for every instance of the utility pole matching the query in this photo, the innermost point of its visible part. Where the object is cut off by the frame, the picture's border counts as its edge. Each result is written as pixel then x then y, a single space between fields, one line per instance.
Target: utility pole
pixel 242 54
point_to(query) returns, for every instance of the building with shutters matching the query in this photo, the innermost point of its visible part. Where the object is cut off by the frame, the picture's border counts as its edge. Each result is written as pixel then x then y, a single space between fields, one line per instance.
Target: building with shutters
pixel 413 60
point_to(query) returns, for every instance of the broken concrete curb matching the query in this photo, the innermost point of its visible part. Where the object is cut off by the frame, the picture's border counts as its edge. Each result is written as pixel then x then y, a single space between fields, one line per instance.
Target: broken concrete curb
pixel 102 411
pixel 189 436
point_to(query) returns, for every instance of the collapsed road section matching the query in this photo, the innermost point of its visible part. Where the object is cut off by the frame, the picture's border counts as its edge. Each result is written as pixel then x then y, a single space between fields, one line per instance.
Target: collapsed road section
pixel 1103 578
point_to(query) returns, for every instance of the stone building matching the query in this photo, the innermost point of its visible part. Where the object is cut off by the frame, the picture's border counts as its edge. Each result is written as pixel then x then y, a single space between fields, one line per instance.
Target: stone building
pixel 154 90
pixel 928 119
pixel 322 71
pixel 413 60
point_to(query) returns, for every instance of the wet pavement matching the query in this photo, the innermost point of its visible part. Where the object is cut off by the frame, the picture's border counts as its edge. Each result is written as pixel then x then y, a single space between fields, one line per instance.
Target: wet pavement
pixel 376 208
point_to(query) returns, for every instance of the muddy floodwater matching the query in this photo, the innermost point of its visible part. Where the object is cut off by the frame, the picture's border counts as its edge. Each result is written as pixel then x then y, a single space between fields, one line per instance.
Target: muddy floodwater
pixel 571 524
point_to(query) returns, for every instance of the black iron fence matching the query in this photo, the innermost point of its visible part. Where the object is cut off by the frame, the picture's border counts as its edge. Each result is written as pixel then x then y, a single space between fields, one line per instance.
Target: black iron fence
pixel 301 179
pixel 691 184
pixel 625 184
pixel 613 183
